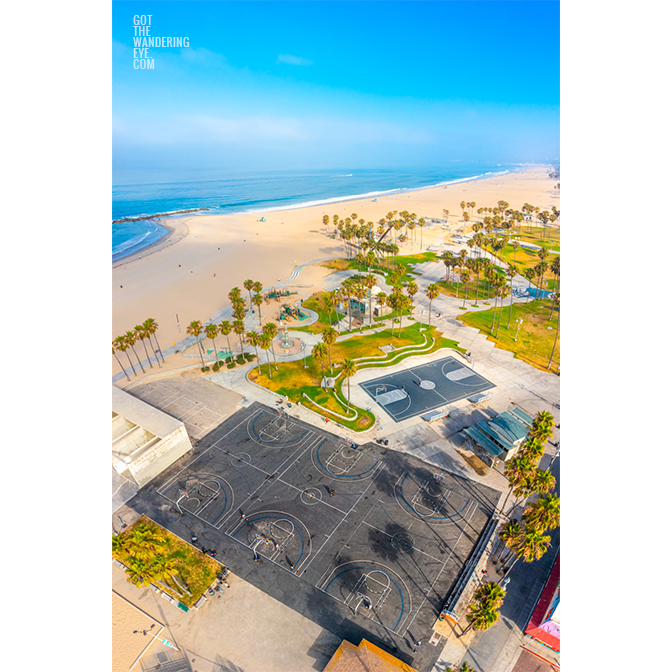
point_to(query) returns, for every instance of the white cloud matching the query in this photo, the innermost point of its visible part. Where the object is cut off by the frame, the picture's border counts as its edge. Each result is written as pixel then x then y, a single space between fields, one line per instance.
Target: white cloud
pixel 293 60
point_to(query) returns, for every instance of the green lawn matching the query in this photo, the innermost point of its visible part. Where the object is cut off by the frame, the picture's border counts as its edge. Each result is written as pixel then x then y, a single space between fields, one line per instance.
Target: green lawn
pixel 535 339
pixel 194 569
pixel 292 380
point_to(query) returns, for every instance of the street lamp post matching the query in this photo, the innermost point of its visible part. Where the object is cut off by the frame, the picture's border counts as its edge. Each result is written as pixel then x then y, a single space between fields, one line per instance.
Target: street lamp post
pixel 303 347
pixel 165 642
pixel 520 321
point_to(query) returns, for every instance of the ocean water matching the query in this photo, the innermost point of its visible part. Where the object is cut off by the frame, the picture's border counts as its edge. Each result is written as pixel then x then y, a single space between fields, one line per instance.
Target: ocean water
pixel 136 194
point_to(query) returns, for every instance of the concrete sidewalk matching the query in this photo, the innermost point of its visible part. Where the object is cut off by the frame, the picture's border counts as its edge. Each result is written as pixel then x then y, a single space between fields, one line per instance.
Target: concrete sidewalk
pixel 244 629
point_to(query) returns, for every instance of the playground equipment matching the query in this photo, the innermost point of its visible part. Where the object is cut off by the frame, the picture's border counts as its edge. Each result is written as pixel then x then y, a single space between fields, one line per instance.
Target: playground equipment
pixel 289 312
pixel 277 293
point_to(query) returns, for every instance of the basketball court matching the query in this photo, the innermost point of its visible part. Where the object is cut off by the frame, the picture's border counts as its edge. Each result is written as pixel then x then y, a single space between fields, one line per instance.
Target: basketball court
pixel 364 541
pixel 424 388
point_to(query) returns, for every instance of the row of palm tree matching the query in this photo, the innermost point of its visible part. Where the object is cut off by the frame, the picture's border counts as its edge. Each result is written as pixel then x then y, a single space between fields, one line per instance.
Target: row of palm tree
pixel 125 343
pixel 358 234
pixel 521 471
pixel 529 541
pixel 502 216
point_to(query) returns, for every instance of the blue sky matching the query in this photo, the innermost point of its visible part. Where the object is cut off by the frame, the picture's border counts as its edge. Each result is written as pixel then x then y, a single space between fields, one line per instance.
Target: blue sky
pixel 267 85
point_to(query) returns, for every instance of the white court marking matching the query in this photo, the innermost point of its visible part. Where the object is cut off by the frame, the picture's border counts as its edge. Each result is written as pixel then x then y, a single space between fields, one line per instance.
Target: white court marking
pixel 390 397
pixel 459 374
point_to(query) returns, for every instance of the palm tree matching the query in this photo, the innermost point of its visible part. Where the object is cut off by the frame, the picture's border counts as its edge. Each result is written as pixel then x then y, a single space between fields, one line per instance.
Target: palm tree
pixel 346 288
pixel 163 568
pixel 132 340
pixel 348 370
pixel 234 294
pixel 530 274
pixel 509 534
pixel 272 331
pixel 531 545
pixel 370 282
pixel 432 292
pixel 481 616
pixel 329 336
pixel 195 329
pixel 411 290
pixel 359 291
pixel 543 481
pixel 141 335
pixel 543 419
pixel 248 284
pixel 257 300
pixel 320 354
pixel 404 302
pixel 504 291
pixel 211 332
pixel 115 347
pixel 511 272
pixel 330 301
pixel 225 330
pixel 555 269
pixel 465 276
pixel 264 341
pixel 238 327
pixel 533 448
pixel 145 539
pixel 540 270
pixel 497 281
pixel 544 514
pixel 421 224
pixel 121 344
pixel 491 593
pixel 152 327
pixel 515 245
pixel 139 573
pixel 119 543
pixel 253 339
pixel 517 471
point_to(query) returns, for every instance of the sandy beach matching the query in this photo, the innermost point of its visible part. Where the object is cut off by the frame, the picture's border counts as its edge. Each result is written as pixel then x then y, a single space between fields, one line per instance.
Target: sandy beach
pixel 189 273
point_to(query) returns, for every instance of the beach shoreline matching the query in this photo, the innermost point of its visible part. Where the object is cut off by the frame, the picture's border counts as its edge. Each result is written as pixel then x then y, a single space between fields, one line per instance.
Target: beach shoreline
pixel 204 256
pixel 163 219
pixel 176 231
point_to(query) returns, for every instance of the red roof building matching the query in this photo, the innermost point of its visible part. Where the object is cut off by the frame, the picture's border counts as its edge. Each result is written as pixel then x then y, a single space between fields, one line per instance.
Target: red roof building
pixel 544 625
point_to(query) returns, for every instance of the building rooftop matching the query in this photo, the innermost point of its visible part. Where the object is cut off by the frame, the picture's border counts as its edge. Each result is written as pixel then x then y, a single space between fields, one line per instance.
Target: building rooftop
pixel 366 657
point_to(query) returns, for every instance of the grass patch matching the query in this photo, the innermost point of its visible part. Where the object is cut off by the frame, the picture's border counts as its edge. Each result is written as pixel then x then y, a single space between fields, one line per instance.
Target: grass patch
pixel 194 569
pixel 535 341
